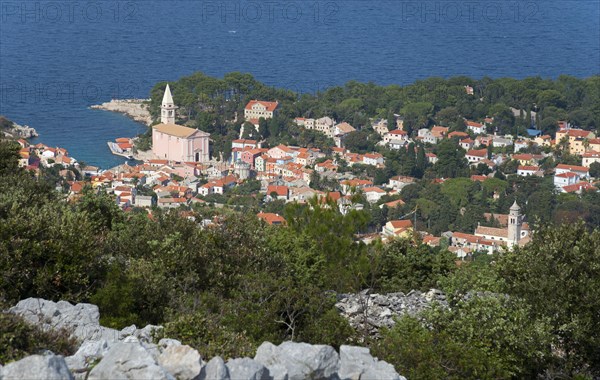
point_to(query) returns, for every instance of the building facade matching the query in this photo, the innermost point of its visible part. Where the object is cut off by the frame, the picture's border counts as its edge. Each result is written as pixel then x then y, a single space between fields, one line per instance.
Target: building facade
pixel 255 109
pixel 175 142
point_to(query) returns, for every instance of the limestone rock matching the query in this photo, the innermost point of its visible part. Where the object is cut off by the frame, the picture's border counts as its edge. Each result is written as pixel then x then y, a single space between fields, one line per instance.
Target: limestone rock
pixel 82 320
pixel 128 360
pixel 127 331
pixel 247 369
pixel 50 367
pixel 357 363
pixel 131 354
pixel 301 360
pixel 147 333
pixel 183 362
pixel 88 353
pixel 167 342
pixel 215 370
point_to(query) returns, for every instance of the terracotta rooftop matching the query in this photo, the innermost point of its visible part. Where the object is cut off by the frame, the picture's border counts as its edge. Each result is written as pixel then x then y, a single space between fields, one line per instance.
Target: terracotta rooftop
pixel 575 168
pixel 270 106
pixel 400 223
pixel 271 218
pixel 492 231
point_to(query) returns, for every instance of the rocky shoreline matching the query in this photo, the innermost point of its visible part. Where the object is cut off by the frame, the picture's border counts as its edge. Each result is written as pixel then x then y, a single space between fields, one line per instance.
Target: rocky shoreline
pixel 133 108
pixel 131 353
pixel 21 131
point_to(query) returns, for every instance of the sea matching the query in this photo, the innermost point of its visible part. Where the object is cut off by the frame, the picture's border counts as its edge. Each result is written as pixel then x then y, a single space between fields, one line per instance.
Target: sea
pixel 59 57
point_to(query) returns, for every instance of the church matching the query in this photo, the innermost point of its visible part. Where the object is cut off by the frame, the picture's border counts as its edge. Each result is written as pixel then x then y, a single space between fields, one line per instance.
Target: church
pixel 514 232
pixel 175 142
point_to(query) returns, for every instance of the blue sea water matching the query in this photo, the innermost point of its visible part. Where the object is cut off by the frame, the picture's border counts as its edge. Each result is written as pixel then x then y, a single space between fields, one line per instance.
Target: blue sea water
pixel 59 57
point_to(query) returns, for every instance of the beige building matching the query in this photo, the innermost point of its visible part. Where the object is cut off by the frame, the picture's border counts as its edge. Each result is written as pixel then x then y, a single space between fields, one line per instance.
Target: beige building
pixel 590 157
pixel 324 124
pixel 397 229
pixel 255 109
pixel 578 139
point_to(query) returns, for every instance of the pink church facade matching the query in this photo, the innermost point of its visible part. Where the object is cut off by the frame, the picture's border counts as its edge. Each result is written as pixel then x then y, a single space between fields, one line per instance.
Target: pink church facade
pixel 178 143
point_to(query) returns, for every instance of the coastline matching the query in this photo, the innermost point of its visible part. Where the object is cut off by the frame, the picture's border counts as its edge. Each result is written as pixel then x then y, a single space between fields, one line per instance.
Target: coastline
pixel 21 131
pixel 136 110
pixel 132 108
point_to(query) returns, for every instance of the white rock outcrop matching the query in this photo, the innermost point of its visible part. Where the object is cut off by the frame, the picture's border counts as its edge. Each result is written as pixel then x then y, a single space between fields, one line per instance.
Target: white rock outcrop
pixel 131 353
pixel 134 108
pixel 34 367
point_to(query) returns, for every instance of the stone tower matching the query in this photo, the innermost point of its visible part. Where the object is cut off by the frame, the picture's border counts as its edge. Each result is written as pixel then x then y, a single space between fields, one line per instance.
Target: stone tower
pixel 514 225
pixel 167 108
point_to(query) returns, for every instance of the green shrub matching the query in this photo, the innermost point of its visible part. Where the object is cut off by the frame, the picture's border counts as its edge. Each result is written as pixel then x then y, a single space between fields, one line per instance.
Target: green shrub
pixel 19 339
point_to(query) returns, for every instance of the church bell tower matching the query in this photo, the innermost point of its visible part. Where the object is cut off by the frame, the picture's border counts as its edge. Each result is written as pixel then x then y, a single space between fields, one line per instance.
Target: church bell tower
pixel 515 223
pixel 167 108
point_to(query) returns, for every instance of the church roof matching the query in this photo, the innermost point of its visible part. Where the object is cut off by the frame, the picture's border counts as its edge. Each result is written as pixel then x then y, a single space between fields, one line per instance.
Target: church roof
pixel 167 97
pixel 492 231
pixel 178 130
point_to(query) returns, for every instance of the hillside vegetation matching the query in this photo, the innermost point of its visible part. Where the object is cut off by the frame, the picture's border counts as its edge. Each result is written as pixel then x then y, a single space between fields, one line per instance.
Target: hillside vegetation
pixel 211 104
pixel 225 289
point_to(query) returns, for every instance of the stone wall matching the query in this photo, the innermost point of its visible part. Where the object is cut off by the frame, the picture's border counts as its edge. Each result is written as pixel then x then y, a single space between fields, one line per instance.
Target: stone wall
pixel 130 353
pixel 367 312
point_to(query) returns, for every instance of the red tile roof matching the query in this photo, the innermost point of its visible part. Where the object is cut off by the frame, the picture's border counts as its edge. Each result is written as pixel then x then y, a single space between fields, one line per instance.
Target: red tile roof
pixel 458 134
pixel 528 168
pixel 475 124
pixel 577 133
pixel 270 106
pixel 439 131
pixel 357 182
pixel 373 190
pixel 401 223
pixel 581 186
pixel 271 218
pixel 477 153
pixel 281 191
pixel 479 178
pixel 573 168
pixel 523 156
pixel 396 203
pixel 566 175
pixel 125 145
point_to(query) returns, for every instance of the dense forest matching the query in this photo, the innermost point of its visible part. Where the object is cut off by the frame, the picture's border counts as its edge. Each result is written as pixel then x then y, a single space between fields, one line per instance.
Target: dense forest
pixel 226 288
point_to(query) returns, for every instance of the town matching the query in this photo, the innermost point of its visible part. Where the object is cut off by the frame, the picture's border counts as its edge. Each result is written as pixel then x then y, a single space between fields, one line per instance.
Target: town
pixel 183 174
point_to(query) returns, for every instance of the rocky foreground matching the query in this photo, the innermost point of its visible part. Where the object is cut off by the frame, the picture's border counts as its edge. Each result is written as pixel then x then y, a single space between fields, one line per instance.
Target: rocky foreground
pixel 134 108
pixel 131 353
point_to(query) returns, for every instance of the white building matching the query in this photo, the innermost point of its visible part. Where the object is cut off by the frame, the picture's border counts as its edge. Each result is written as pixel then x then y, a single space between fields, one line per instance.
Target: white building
pixel 565 179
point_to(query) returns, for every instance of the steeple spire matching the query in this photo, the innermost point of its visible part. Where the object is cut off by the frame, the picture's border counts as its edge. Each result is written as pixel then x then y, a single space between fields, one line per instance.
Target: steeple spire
pixel 515 206
pixel 167 98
